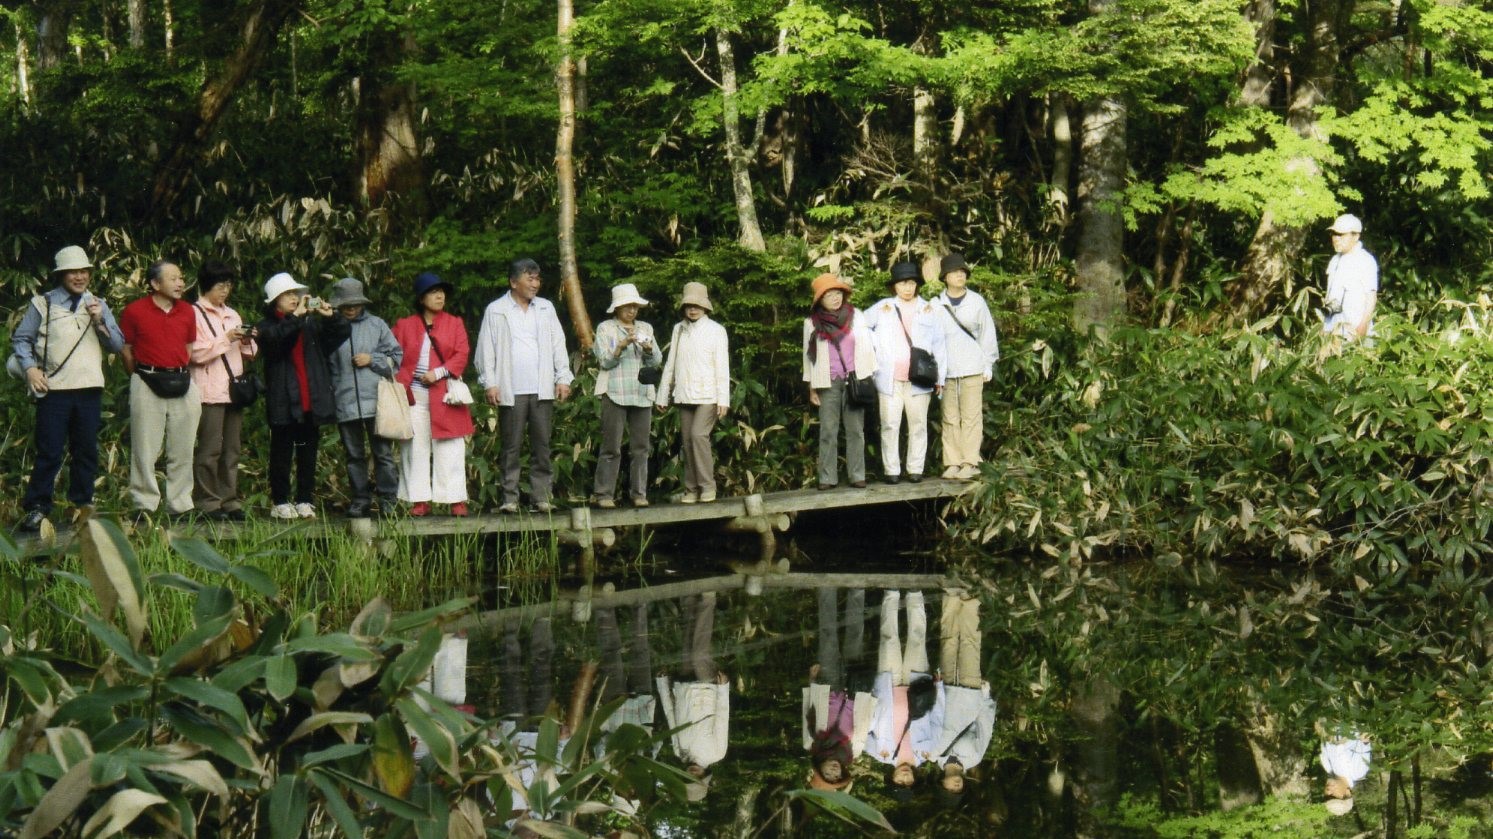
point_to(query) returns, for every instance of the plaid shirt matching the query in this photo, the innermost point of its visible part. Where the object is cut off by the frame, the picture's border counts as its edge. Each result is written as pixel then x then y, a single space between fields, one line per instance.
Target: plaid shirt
pixel 618 378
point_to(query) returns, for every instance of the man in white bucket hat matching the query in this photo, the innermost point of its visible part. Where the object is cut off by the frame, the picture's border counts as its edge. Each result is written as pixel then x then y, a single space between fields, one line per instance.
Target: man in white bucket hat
pixel 1352 283
pixel 59 348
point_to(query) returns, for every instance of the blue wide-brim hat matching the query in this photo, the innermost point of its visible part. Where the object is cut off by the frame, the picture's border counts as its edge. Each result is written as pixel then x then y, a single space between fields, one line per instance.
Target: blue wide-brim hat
pixel 427 282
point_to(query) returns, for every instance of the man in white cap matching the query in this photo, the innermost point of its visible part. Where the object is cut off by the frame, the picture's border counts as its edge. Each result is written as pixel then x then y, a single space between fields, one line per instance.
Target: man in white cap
pixel 1352 283
pixel 523 366
pixel 59 347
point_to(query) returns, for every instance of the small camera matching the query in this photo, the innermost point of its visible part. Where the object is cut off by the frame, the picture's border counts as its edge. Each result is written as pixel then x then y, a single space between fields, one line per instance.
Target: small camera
pixel 313 302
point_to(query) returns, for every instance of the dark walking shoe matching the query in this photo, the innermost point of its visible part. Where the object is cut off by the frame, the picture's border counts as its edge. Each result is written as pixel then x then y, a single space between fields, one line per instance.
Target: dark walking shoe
pixel 858 484
pixel 823 487
pixel 234 515
pixel 914 478
pixel 31 522
pixel 357 510
pixel 890 479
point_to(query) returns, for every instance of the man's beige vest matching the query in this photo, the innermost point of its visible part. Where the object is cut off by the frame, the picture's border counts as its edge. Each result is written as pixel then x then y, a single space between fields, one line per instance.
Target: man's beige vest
pixel 58 334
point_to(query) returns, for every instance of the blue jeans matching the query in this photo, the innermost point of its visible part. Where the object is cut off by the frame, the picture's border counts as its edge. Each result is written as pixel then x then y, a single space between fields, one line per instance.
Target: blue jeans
pixel 70 417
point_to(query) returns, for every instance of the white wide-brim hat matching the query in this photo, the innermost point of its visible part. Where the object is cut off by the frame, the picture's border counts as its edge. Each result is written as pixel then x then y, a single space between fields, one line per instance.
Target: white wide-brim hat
pixel 279 284
pixel 71 258
pixel 1347 223
pixel 1339 806
pixel 625 294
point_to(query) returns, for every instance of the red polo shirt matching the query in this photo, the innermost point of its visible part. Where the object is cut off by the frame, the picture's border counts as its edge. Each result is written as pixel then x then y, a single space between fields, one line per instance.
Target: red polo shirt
pixel 159 338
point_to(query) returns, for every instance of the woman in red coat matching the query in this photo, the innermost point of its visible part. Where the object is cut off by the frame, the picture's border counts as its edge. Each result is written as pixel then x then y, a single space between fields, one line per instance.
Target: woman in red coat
pixel 433 465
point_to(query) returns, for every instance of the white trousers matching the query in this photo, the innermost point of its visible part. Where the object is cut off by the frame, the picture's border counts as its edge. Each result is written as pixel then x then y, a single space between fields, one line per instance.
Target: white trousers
pixel 431 470
pixel 915 405
pixel 891 656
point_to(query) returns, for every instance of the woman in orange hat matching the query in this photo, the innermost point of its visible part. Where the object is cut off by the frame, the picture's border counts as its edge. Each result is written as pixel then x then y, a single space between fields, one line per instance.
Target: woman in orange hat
pixel 838 351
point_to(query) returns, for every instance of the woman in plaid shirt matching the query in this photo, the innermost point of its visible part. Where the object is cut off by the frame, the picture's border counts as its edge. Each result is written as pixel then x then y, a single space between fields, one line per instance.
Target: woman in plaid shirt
pixel 624 345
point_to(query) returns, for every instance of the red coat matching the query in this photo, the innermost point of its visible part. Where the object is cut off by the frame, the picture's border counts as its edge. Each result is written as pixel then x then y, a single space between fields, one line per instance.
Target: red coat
pixel 447 332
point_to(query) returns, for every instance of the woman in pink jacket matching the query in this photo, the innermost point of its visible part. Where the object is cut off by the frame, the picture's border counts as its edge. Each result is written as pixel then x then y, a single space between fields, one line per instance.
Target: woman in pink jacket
pixel 223 348
pixel 433 465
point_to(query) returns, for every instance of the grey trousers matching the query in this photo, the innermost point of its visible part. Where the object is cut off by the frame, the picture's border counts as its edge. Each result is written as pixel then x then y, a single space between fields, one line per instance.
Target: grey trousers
pixel 699 629
pixel 632 674
pixel 836 411
pixel 636 422
pixel 537 416
pixel 695 424
pixel 526 692
pixel 357 439
pixel 215 465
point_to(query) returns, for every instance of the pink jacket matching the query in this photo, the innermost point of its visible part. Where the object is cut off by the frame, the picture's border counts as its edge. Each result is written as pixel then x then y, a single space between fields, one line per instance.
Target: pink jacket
pixel 211 346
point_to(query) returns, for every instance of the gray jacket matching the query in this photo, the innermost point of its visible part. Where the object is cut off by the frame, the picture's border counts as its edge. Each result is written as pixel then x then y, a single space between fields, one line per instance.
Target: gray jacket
pixel 355 390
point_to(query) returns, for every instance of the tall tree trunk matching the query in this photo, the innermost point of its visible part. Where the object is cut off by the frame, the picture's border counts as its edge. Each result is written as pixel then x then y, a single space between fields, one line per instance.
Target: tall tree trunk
pixel 1267 262
pixel 1277 753
pixel 1062 155
pixel 1096 776
pixel 23 68
pixel 925 139
pixel 52 22
pixel 570 276
pixel 1100 258
pixel 264 21
pixel 1238 777
pixel 750 234
pixel 136 10
pixel 388 146
pixel 170 27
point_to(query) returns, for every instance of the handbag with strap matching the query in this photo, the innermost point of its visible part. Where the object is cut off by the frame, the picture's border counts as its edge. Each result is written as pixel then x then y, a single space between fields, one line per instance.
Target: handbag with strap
pixel 922 367
pixel 391 414
pixel 861 390
pixel 13 364
pixel 242 390
pixel 457 392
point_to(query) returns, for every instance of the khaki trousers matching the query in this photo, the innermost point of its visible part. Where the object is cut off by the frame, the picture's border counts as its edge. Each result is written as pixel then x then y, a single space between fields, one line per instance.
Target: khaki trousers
pixel 963 420
pixel 959 637
pixel 695 424
pixel 158 424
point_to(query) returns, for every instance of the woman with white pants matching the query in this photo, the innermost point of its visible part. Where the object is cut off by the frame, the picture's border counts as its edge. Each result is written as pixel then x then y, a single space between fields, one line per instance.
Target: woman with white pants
pixel 899 323
pixel 433 465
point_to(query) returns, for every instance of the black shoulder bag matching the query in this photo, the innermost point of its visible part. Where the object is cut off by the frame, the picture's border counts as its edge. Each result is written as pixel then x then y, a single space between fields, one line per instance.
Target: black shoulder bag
pixel 922 367
pixel 860 389
pixel 242 390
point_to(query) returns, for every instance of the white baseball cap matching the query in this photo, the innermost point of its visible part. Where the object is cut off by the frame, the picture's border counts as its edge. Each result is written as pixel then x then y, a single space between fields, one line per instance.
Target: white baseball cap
pixel 1347 223
pixel 279 284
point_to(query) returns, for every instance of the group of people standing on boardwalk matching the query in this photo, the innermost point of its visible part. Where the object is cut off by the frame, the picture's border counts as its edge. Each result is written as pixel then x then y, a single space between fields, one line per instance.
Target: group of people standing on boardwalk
pixel 325 361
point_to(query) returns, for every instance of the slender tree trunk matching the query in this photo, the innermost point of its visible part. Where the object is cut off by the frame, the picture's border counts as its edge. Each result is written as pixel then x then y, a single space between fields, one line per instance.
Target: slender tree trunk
pixel 388 146
pixel 1275 247
pixel 570 276
pixel 1100 258
pixel 264 21
pixel 170 26
pixel 1062 155
pixel 23 68
pixel 136 10
pixel 1238 777
pixel 1096 777
pixel 750 234
pixel 52 22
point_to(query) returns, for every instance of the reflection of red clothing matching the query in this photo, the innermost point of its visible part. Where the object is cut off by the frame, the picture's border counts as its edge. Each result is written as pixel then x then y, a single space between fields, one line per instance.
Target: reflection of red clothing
pixel 447 333
pixel 833 739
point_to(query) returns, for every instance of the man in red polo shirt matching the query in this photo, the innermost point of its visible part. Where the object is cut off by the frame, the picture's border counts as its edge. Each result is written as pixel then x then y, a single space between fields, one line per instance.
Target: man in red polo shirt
pixel 164 404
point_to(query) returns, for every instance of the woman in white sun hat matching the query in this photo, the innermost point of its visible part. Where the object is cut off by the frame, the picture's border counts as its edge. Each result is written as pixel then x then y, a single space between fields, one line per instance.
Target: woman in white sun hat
pixel 624 349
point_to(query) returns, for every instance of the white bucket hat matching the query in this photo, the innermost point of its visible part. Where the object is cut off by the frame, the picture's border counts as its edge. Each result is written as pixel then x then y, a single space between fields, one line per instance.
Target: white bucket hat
pixel 70 258
pixel 279 284
pixel 624 294
pixel 695 294
pixel 1347 223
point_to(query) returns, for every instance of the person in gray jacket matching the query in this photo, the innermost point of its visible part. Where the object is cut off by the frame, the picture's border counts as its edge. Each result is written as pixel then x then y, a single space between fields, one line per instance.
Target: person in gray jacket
pixel 369 353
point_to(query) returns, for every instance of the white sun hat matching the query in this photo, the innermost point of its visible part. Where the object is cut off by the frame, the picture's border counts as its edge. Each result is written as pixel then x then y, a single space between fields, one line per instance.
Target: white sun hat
pixel 279 284
pixel 624 294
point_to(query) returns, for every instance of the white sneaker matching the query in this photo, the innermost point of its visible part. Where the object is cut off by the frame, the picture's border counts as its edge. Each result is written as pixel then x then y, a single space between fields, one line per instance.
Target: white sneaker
pixel 952 473
pixel 283 511
pixel 707 496
pixel 305 511
pixel 689 497
pixel 968 472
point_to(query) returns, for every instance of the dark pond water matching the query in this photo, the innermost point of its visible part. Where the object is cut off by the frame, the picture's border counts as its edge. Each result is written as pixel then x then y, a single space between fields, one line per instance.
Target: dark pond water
pixel 1124 684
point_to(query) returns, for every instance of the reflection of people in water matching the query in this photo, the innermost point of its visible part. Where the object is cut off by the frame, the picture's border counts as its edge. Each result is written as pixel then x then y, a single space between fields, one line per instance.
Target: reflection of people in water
pixel 524 697
pixel 834 723
pixel 702 707
pixel 1346 761
pixel 909 702
pixel 630 675
pixel 969 710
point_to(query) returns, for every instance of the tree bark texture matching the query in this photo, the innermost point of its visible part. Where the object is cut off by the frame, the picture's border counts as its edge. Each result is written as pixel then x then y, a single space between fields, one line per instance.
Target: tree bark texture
pixel 1275 247
pixel 570 276
pixel 52 22
pixel 388 146
pixel 1277 754
pixel 1100 258
pixel 23 68
pixel 136 12
pixel 750 233
pixel 1062 154
pixel 1238 777
pixel 1096 777
pixel 262 24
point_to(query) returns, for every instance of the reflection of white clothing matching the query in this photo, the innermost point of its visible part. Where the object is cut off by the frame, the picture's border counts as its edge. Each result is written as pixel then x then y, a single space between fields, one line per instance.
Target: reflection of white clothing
pixel 884 733
pixel 1352 282
pixel 704 709
pixel 1347 759
pixel 891 657
pixel 526 743
pixel 969 722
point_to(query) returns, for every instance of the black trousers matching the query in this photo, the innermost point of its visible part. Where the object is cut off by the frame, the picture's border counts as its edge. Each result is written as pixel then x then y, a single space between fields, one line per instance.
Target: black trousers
pixel 71 418
pixel 293 443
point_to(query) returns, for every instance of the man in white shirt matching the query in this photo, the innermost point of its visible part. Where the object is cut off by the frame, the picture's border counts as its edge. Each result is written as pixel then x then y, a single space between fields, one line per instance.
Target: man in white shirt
pixel 1352 283
pixel 522 363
